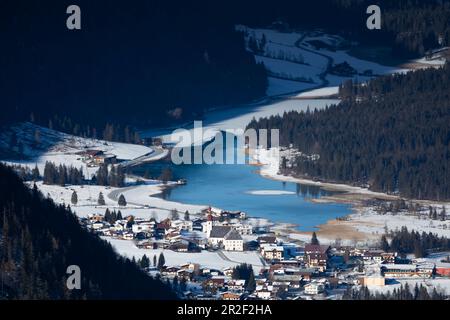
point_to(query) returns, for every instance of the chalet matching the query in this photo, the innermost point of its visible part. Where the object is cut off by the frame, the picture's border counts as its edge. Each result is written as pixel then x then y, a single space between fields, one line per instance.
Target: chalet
pixel 316 256
pixel 161 228
pixel 228 272
pixel 180 246
pixel 378 256
pixel 267 239
pixel 142 227
pixel 95 217
pixel 187 274
pixel 264 293
pixel 197 224
pixel 272 252
pixel 397 271
pixel 293 278
pixel 236 285
pixel 105 159
pixel 317 260
pixel 97 225
pixel 215 282
pixel 243 229
pixel 195 267
pixel 90 154
pixel 231 296
pixel 443 268
pixel 230 214
pixel 307 274
pixel 292 263
pixel 127 236
pixel 317 248
pixel 314 288
pixel 170 272
pixel 186 225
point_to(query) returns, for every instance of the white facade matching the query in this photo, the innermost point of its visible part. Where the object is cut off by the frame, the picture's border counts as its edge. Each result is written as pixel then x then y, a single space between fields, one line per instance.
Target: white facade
pixel 314 288
pixel 234 245
pixel 243 229
pixel 136 228
pixel 207 227
pixel 182 224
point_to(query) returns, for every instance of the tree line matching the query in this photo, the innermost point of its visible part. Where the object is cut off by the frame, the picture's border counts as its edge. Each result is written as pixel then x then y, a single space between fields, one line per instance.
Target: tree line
pixel 405 242
pixel 419 292
pixel 391 133
pixel 115 177
pixel 62 174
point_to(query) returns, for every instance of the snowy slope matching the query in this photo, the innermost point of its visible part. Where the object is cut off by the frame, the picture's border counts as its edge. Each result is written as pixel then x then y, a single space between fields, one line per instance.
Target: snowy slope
pixel 42 144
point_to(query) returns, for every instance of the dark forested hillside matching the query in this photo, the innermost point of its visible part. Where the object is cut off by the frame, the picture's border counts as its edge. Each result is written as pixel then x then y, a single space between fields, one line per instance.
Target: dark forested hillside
pixel 409 27
pixel 145 63
pixel 392 133
pixel 39 240
pixel 152 63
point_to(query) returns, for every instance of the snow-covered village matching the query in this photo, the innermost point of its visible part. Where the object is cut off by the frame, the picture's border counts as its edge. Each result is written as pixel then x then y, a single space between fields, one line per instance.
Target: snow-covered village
pixel 343 193
pixel 204 252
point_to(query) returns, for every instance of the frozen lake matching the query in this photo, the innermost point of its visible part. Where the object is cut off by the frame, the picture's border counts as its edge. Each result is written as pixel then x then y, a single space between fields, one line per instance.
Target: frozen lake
pixel 240 187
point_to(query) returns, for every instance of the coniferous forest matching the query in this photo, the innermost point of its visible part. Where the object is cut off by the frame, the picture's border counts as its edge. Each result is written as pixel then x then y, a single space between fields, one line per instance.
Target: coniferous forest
pixel 155 63
pixel 148 63
pixel 392 133
pixel 39 240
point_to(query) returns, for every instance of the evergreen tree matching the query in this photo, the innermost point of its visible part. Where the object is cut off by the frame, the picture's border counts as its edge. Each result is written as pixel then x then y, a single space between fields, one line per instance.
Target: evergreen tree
pixel 113 217
pixel 443 214
pixel 250 283
pixel 122 202
pixel 314 239
pixel 144 262
pixel 107 216
pixel 102 175
pixel 175 283
pixel 161 261
pixel 384 243
pixel 187 216
pixel 101 199
pixel 183 284
pixel 130 222
pixel 35 173
pixel 174 214
pixel 74 198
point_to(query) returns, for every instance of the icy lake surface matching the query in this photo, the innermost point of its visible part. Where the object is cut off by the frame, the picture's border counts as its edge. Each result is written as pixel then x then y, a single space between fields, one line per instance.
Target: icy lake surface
pixel 232 187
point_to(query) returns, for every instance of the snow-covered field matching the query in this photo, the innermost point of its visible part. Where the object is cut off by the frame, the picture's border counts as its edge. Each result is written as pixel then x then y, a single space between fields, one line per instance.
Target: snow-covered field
pixel 290 55
pixel 141 200
pixel 42 144
pixel 297 69
pixel 238 118
pixel 441 285
pixel 322 92
pixel 204 258
pixel 370 222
